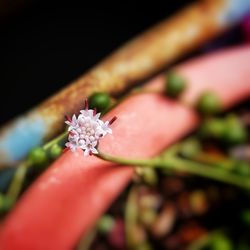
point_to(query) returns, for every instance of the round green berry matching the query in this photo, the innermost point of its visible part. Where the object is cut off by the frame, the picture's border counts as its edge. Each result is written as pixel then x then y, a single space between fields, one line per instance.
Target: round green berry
pixel 220 242
pixel 105 224
pixel 208 103
pixel 100 101
pixel 235 133
pixel 55 151
pixel 235 136
pixel 149 176
pixel 213 128
pixel 37 156
pixel 175 85
pixel 190 148
pixel 242 168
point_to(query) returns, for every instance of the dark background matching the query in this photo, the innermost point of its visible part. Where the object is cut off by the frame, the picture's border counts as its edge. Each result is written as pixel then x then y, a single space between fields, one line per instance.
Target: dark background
pixel 46 44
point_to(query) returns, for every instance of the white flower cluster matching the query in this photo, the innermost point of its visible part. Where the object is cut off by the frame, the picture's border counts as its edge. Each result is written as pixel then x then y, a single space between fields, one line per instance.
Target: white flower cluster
pixel 86 130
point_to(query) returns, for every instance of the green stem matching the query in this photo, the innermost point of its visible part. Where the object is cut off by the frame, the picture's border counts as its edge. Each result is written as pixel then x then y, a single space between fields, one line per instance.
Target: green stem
pixel 17 182
pixel 210 159
pixel 131 214
pixel 56 140
pixel 177 164
pixel 126 161
pixel 206 171
pixel 19 177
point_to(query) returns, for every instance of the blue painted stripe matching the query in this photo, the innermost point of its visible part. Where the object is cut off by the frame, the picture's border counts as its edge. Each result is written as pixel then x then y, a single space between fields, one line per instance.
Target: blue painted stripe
pixel 25 134
pixel 235 10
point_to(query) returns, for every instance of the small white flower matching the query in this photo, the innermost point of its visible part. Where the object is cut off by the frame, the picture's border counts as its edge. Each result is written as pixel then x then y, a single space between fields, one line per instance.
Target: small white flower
pixel 86 130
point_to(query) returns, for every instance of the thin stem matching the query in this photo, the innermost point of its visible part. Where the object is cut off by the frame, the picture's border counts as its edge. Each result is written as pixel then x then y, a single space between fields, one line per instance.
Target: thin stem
pixel 131 214
pixel 17 181
pixel 19 177
pixel 210 159
pixel 207 171
pixel 126 161
pixel 58 139
pixel 177 164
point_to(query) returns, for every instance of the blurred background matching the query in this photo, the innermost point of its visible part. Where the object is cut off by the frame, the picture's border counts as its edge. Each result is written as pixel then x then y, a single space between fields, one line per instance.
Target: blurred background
pixel 45 45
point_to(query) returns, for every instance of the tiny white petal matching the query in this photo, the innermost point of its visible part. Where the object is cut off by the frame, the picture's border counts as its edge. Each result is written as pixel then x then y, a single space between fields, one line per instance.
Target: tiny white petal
pixel 97 116
pixel 94 151
pixel 86 152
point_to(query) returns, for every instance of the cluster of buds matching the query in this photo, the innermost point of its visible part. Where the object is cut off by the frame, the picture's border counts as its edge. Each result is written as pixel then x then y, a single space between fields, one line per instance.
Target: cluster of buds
pixel 86 129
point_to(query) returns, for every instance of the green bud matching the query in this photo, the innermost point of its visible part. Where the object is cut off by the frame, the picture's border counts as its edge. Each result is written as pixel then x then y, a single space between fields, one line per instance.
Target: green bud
pixel 208 103
pixel 37 156
pixel 242 168
pixel 190 148
pixel 220 242
pixel 235 133
pixel 149 176
pixel 55 151
pixel 213 128
pixel 105 224
pixel 100 101
pixel 175 84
